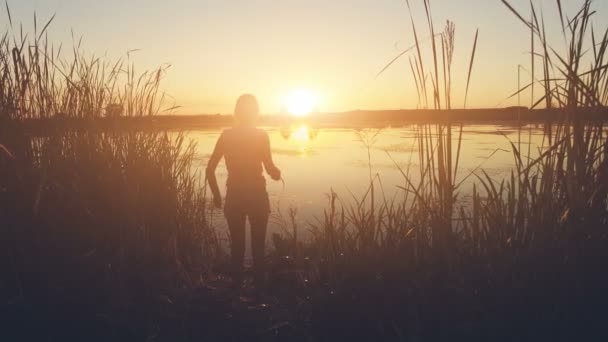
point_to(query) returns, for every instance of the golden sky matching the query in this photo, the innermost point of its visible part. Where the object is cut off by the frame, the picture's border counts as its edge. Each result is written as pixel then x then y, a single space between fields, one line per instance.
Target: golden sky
pixel 219 49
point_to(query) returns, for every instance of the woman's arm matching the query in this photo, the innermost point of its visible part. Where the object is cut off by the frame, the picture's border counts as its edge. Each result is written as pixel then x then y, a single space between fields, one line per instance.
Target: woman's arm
pixel 216 156
pixel 271 169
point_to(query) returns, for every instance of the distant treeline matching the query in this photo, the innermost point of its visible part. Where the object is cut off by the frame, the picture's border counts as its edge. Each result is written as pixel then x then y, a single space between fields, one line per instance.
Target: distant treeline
pixel 342 119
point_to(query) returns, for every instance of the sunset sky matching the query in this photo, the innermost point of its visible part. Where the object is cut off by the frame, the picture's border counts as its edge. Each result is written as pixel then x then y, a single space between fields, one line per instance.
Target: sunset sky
pixel 219 49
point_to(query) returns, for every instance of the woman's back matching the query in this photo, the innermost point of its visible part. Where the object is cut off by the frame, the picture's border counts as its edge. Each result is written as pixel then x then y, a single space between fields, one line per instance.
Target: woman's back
pixel 246 151
pixel 244 154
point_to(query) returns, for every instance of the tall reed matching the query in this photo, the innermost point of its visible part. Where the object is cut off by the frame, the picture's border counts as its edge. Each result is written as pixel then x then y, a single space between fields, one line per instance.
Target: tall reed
pixel 41 80
pixel 522 260
pixel 99 229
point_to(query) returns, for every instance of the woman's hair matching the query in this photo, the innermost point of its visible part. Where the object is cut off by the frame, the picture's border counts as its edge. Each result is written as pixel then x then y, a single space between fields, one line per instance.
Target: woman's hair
pixel 246 110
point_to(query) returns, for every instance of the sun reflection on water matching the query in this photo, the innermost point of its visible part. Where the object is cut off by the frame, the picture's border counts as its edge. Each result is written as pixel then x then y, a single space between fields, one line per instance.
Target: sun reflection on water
pixel 302 133
pixel 301 137
pixel 298 133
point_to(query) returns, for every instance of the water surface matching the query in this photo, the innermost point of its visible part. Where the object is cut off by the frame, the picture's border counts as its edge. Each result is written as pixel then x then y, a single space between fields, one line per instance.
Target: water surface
pixel 315 161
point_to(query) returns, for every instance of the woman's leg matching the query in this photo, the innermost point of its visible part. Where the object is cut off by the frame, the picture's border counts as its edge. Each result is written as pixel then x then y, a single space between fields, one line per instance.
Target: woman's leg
pixel 236 225
pixel 259 223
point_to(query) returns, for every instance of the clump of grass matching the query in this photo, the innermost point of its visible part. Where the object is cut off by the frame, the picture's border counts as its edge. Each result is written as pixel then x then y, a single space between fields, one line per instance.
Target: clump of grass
pixel 521 261
pixel 111 227
pixel 40 80
pixel 100 229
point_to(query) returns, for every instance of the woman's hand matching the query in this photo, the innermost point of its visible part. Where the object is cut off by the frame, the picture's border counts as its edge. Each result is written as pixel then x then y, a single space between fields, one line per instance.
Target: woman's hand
pixel 217 202
pixel 275 174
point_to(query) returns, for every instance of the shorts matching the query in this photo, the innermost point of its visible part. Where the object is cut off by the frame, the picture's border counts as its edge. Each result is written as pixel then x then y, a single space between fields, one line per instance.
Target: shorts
pixel 250 203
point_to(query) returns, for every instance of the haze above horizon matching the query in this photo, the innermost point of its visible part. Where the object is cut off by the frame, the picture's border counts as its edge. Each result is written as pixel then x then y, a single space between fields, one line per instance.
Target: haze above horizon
pixel 219 50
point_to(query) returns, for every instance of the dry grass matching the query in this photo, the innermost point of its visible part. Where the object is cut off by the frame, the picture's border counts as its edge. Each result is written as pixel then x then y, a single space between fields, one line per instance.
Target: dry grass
pixel 113 228
pixel 99 228
pixel 522 262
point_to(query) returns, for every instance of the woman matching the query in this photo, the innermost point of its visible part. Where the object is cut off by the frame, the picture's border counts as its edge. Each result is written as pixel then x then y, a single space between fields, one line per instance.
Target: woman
pixel 246 149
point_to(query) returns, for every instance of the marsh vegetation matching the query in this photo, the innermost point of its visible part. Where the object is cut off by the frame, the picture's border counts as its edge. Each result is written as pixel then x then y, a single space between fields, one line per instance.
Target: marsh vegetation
pixel 107 235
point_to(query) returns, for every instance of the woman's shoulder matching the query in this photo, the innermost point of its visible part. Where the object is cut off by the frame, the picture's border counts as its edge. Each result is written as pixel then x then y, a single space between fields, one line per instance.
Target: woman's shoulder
pixel 227 132
pixel 261 132
pixel 248 133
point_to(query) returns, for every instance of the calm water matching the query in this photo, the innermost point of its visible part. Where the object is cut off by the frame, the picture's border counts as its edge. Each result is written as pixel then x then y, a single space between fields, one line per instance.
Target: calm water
pixel 314 161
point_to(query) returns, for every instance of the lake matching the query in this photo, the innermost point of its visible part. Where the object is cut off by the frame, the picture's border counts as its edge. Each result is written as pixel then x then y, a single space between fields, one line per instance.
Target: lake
pixel 315 161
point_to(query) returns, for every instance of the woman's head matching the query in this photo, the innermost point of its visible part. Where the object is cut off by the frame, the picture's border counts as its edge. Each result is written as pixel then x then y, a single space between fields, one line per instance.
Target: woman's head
pixel 246 110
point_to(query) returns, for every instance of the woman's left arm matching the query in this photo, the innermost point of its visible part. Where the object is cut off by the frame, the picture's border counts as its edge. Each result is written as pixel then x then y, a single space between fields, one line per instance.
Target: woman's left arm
pixel 271 169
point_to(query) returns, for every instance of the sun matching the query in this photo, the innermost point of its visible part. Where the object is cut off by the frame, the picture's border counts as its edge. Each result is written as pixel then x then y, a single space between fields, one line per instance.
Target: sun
pixel 301 102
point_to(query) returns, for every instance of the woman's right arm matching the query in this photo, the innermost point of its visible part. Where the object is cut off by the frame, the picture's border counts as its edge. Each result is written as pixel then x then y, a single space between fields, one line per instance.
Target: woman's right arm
pixel 216 156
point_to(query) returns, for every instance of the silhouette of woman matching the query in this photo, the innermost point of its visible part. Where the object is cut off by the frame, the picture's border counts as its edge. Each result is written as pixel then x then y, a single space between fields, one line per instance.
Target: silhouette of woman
pixel 245 149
